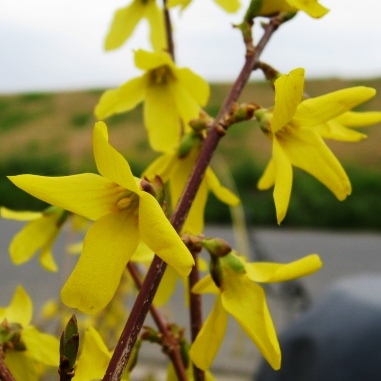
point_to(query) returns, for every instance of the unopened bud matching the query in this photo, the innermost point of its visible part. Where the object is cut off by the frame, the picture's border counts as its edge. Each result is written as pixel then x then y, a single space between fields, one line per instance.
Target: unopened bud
pixel 187 143
pixel 233 262
pixel 147 187
pixel 202 122
pixel 263 117
pixel 216 246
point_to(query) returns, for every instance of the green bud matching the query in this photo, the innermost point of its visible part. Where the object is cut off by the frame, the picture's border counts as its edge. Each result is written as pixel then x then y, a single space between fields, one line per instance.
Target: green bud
pixel 263 117
pixel 187 143
pixel 10 336
pixel 233 262
pixel 184 352
pixel 216 246
pixel 215 270
pixel 151 335
pixel 69 344
pixel 202 122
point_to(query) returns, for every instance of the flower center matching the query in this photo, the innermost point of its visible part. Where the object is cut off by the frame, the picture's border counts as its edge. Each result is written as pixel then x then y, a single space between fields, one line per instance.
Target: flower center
pixel 127 200
pixel 160 75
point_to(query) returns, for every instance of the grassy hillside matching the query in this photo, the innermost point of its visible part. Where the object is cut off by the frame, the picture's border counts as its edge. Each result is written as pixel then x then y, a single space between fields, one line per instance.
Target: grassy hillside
pixel 50 134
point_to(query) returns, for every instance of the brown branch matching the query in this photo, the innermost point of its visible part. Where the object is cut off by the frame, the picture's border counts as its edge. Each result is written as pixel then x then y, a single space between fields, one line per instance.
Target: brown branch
pixel 5 373
pixel 155 273
pixel 195 311
pixel 174 349
pixel 168 31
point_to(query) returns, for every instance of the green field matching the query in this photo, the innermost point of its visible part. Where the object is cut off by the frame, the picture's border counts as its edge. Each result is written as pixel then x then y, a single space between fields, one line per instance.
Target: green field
pixel 50 134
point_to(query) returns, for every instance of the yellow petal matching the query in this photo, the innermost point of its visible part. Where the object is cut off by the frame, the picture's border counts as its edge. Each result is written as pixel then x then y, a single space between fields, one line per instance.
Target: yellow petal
pixel 122 99
pixel 20 308
pixel 336 131
pixel 161 118
pixel 87 194
pixel 94 358
pixel 174 3
pixel 42 347
pixel 209 339
pixel 160 236
pixel 110 163
pixel 246 302
pixel 21 366
pixel 32 237
pixel 288 94
pixel 278 272
pixel 157 28
pixel 205 285
pixel 314 111
pixel 19 215
pixel 47 260
pixel 307 151
pixel 230 6
pixel 108 245
pixel 311 7
pixel 151 60
pixel 270 7
pixel 194 84
pixel 162 166
pixel 359 119
pixel 142 254
pixel 167 287
pixel 283 180
pixel 123 24
pixel 222 193
pixel 186 107
pixel 267 180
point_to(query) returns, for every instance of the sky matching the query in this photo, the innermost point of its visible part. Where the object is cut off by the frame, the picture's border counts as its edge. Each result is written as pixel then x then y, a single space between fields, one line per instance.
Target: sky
pixel 54 45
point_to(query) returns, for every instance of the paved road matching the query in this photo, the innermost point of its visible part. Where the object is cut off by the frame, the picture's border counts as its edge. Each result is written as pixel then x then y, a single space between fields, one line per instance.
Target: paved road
pixel 345 254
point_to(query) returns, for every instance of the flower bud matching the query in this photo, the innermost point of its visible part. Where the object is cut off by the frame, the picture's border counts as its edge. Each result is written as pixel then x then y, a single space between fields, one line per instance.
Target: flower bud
pixel 216 246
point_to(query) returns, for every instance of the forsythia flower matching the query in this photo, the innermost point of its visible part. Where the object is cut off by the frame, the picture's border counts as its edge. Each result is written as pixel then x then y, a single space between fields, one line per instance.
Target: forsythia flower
pixel 311 7
pixel 291 127
pixel 172 97
pixel 176 170
pixel 94 358
pixel 126 19
pixel 37 235
pixel 23 344
pixel 240 296
pixel 230 6
pixel 123 215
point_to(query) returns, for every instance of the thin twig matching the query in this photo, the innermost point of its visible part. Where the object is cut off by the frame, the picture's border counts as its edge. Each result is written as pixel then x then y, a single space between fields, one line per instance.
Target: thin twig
pixel 168 31
pixel 5 373
pixel 195 310
pixel 174 349
pixel 155 272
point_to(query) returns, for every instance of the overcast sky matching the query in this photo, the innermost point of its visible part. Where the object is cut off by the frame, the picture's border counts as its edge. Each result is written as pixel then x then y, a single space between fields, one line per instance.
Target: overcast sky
pixel 58 44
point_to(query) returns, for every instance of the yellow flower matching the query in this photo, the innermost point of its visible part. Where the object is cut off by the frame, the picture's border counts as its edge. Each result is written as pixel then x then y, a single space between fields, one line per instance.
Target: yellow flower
pixel 230 6
pixel 123 215
pixel 94 358
pixel 337 129
pixel 311 7
pixel 172 97
pixel 291 127
pixel 176 170
pixel 126 19
pixel 240 296
pixel 28 346
pixel 37 235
